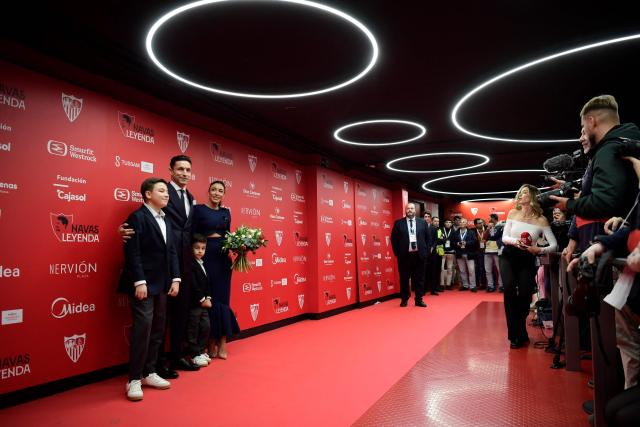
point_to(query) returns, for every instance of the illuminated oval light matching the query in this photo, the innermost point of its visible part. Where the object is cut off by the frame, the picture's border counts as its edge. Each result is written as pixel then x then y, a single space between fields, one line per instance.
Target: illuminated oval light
pixel 488 199
pixel 156 26
pixel 422 132
pixel 482 156
pixel 493 80
pixel 425 185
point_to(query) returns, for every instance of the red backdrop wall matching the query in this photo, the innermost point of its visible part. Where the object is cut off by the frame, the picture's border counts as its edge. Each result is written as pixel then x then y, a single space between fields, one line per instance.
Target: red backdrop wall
pixel 71 164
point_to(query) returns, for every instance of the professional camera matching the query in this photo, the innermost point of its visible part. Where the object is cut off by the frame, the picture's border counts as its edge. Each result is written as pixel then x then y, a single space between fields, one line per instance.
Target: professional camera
pixel 568 189
pixel 629 147
pixel 564 167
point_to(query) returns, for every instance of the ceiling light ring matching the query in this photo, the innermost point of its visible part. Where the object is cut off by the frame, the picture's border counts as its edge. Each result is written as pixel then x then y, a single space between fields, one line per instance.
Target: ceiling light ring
pixel 482 156
pixel 443 178
pixel 422 132
pixel 165 18
pixel 466 97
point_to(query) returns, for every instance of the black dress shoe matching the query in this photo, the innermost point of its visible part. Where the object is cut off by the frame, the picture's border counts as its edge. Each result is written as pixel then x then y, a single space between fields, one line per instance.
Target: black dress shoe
pixel 420 303
pixel 587 406
pixel 491 289
pixel 434 294
pixel 474 289
pixel 167 374
pixel 403 303
pixel 184 365
pixel 462 288
pixel 515 344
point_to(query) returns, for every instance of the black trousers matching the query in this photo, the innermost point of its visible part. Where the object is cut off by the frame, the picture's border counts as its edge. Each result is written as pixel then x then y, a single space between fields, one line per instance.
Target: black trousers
pixel 198 330
pixel 518 271
pixel 432 272
pixel 411 266
pixel 149 317
pixel 623 410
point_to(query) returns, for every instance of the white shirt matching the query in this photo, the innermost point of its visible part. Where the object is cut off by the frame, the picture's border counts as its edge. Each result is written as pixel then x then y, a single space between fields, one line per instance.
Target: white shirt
pixel 201 263
pixel 187 207
pixel 412 234
pixel 513 230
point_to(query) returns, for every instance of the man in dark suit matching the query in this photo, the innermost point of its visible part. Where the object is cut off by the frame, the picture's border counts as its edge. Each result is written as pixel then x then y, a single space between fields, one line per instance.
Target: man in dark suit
pixel 432 270
pixel 151 272
pixel 179 213
pixel 465 244
pixel 410 243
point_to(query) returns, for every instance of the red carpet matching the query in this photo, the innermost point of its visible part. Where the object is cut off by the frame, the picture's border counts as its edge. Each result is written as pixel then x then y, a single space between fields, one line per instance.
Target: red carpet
pixel 324 373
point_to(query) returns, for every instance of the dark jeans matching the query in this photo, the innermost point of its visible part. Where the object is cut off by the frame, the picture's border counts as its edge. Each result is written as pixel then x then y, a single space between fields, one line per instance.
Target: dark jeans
pixel 623 410
pixel 518 270
pixel 148 316
pixel 432 272
pixel 198 330
pixel 411 266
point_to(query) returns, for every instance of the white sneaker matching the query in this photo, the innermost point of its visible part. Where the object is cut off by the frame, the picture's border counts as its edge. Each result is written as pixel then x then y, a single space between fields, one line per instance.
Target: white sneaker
pixel 206 356
pixel 134 390
pixel 154 380
pixel 200 361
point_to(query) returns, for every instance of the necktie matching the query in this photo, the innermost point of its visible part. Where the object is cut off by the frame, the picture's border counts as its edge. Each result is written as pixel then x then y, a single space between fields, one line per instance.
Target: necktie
pixel 183 208
pixel 411 225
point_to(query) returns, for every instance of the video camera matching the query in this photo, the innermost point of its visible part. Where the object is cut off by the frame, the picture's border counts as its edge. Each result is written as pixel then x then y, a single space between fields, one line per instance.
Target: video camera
pixel 565 167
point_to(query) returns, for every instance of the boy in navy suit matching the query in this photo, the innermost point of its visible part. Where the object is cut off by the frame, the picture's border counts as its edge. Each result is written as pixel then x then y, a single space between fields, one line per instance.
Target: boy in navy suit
pixel 151 272
pixel 199 327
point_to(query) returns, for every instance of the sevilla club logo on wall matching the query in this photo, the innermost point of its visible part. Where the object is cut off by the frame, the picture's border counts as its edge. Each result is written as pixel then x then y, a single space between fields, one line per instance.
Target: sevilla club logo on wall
pixel 253 162
pixel 348 294
pixel 327 238
pixel 74 345
pixel 279 234
pixel 254 308
pixel 72 106
pixel 474 211
pixel 301 300
pixel 298 176
pixel 183 141
pixel 363 237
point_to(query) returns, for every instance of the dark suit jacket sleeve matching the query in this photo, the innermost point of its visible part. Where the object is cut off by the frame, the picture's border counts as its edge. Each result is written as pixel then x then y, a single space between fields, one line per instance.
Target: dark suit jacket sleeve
pixel 395 238
pixel 197 289
pixel 132 252
pixel 174 263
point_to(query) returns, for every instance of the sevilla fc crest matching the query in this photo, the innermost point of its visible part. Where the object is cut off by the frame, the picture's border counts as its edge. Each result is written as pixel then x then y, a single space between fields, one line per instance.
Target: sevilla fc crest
pixel 379 286
pixel 374 193
pixel 327 238
pixel 60 224
pixel 386 240
pixel 183 141
pixel 349 294
pixel 298 176
pixel 72 106
pixel 363 237
pixel 301 300
pixel 345 185
pixel 74 346
pixel 254 308
pixel 474 211
pixel 279 234
pixel 253 162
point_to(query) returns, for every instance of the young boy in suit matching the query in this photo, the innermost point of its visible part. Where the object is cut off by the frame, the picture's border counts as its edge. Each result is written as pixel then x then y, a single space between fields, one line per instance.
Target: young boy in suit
pixel 199 326
pixel 151 272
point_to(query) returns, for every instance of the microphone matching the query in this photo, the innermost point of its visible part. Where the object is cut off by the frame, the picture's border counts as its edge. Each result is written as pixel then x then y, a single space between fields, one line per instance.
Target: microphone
pixel 558 163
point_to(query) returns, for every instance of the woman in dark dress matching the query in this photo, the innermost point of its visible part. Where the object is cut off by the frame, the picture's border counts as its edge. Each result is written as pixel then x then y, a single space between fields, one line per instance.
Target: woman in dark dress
pixel 213 220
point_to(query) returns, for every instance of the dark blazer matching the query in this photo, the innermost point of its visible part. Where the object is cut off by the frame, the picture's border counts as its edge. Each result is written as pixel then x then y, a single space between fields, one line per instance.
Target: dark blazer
pixel 432 232
pixel 471 247
pixel 180 225
pixel 400 238
pixel 147 256
pixel 199 284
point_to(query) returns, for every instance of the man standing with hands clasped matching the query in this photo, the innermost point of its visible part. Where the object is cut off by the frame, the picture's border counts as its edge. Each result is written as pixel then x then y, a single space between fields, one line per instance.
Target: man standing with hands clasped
pixel 410 243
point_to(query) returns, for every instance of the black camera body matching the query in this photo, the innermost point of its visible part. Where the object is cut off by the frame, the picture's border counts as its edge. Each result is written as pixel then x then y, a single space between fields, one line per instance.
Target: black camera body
pixel 566 190
pixel 629 147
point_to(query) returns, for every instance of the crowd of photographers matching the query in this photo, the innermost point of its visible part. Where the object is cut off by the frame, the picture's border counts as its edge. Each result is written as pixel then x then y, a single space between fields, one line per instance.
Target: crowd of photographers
pixel 604 218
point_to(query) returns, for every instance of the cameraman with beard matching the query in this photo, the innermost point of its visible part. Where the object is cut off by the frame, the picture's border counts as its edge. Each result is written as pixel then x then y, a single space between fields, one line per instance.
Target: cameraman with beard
pixel 609 183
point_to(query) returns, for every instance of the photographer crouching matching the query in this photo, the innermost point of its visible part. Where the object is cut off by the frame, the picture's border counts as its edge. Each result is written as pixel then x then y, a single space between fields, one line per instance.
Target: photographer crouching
pixel 624 409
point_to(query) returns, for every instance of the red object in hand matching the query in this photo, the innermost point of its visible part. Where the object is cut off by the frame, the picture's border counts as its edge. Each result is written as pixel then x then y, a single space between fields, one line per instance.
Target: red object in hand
pixel 525 238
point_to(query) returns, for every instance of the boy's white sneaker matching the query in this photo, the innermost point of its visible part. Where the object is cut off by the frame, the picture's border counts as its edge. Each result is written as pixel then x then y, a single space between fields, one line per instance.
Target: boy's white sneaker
pixel 134 390
pixel 154 380
pixel 200 361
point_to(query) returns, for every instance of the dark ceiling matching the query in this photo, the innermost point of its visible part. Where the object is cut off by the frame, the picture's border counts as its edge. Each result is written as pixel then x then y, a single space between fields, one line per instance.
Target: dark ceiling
pixel 431 54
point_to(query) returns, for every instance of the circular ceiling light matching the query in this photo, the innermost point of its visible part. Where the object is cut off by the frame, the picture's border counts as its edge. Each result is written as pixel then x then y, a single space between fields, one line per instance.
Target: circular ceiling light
pixel 456 109
pixel 426 188
pixel 484 161
pixel 487 199
pixel 160 22
pixel 421 132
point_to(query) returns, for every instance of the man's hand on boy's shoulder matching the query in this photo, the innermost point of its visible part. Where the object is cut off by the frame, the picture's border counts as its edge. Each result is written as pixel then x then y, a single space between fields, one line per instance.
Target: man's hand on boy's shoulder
pixel 206 303
pixel 124 232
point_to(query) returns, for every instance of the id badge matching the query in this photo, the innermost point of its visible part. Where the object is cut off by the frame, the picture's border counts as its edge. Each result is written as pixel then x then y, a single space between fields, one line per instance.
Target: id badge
pixel 447 244
pixel 413 238
pixel 481 245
